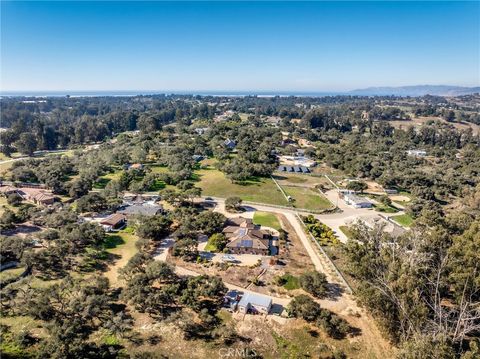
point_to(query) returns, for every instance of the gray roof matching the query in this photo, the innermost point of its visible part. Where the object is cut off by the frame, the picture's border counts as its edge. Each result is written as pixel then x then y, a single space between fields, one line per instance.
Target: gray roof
pixel 145 210
pixel 255 299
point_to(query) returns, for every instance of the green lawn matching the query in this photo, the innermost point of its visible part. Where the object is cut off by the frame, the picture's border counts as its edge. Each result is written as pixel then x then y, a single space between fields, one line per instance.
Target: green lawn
pixel 292 282
pixel 385 209
pixel 262 190
pixel 267 219
pixel 403 219
pixel 122 245
pixel 307 198
pixel 102 182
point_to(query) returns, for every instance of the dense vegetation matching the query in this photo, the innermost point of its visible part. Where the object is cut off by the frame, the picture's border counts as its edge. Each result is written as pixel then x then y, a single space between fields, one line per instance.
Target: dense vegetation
pixel 423 287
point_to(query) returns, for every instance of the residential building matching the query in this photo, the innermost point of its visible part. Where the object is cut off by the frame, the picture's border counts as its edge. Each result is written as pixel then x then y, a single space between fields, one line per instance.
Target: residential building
pixel 114 221
pixel 255 303
pixel 246 238
pixel 417 153
pixel 36 195
pixel 357 201
pixel 144 209
pixel 229 143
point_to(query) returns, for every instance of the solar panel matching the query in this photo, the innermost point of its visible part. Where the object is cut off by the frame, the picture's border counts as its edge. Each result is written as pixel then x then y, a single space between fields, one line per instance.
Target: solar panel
pixel 246 243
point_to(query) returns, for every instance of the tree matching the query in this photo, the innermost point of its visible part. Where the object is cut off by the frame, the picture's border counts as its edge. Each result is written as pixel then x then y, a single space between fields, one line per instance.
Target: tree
pixel 302 306
pixel 154 227
pixel 92 202
pixel 209 222
pixel 79 188
pixel 233 204
pixel 357 186
pixel 14 199
pixel 26 144
pixel 217 241
pixel 314 283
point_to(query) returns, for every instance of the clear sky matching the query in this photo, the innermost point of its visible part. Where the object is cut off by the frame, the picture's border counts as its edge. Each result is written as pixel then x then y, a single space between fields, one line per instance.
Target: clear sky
pixel 283 46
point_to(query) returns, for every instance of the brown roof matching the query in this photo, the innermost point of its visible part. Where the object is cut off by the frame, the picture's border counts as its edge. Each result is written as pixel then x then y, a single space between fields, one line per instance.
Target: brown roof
pixel 41 197
pixel 113 219
pixel 240 222
pixel 7 189
pixel 248 238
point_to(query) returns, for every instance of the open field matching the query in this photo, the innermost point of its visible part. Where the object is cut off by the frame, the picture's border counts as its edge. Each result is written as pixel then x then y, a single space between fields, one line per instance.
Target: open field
pixel 267 219
pixel 307 198
pixel 262 190
pixel 285 179
pixel 122 246
pixel 403 219
pixel 418 122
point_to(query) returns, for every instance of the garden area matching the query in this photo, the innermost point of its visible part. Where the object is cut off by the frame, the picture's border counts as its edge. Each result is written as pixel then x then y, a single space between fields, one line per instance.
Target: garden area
pixel 323 234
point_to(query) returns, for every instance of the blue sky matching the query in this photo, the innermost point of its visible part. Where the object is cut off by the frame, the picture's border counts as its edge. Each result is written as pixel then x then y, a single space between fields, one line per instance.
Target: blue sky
pixel 283 46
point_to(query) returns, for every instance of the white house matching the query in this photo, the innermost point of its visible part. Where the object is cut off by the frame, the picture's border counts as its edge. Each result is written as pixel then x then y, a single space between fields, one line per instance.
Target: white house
pixel 417 153
pixel 255 303
pixel 357 201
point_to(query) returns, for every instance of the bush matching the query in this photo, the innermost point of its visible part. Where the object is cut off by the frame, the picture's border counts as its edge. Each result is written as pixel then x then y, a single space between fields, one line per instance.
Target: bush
pixel 304 307
pixel 314 283
pixel 233 204
pixel 14 199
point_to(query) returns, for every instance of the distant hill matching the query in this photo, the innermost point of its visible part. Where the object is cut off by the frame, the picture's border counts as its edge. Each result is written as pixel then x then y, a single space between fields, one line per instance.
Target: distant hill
pixel 420 90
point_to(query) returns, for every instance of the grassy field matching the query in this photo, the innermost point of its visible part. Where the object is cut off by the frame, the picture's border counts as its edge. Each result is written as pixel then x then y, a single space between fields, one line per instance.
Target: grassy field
pixel 267 219
pixel 262 190
pixel 403 219
pixel 122 246
pixel 285 179
pixel 102 182
pixel 385 209
pixel 307 198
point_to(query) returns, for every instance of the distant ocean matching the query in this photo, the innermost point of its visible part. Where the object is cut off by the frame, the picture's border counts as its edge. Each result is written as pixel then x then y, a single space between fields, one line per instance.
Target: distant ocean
pixel 165 92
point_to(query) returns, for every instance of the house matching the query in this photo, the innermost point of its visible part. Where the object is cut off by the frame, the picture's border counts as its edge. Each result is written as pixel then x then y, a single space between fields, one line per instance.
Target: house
pixel 357 201
pixel 36 195
pixel 201 130
pixel 197 158
pixel 114 221
pixel 7 190
pixel 417 153
pixel 144 209
pixel 254 303
pixel 246 238
pixel 135 166
pixel 229 143
pixel 230 300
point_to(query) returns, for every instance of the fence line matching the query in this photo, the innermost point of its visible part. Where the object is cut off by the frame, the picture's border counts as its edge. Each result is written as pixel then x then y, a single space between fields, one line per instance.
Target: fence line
pixel 325 255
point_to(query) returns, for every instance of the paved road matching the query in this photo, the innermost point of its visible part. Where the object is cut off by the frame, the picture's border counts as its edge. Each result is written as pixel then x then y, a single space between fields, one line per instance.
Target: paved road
pixel 36 153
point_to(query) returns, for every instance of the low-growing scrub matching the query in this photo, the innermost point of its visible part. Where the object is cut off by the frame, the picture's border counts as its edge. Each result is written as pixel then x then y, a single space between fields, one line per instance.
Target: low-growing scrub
pixel 321 232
